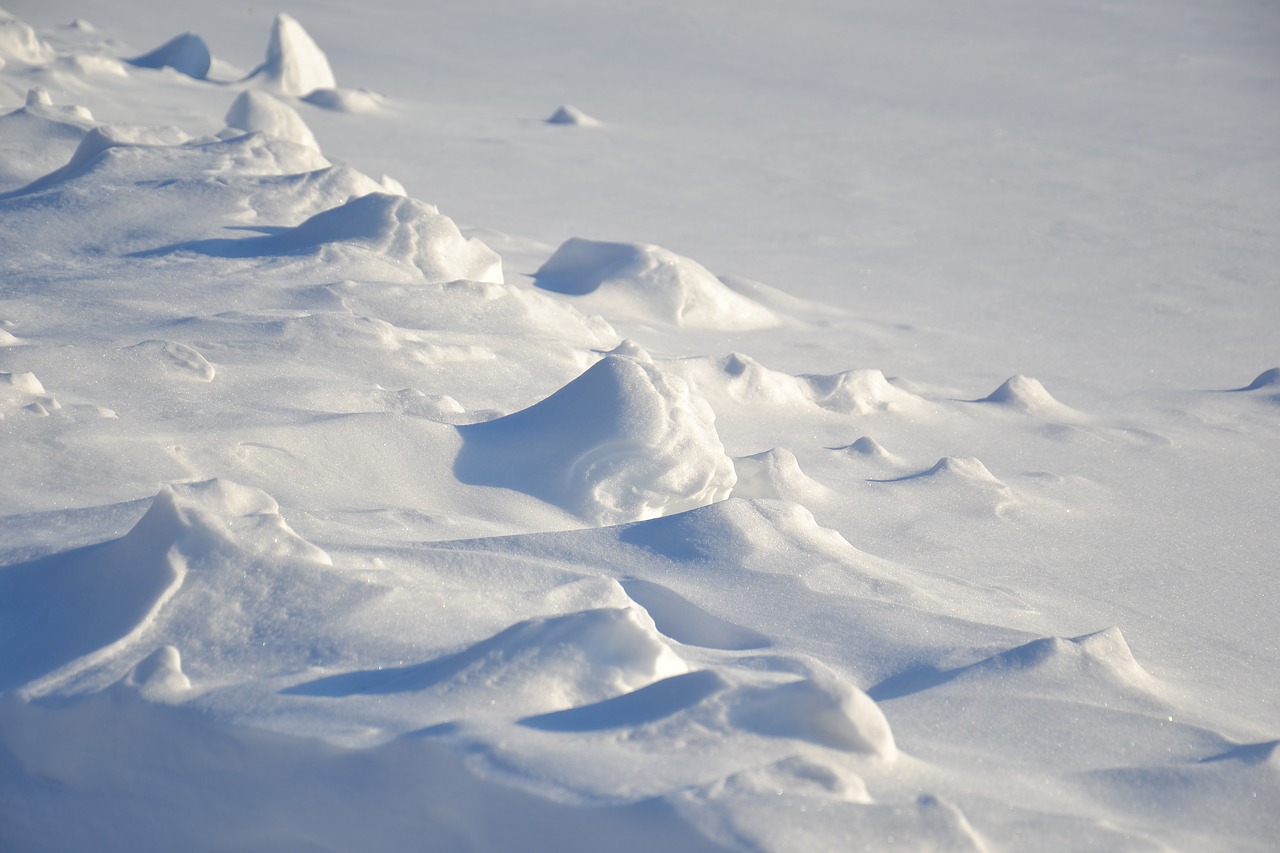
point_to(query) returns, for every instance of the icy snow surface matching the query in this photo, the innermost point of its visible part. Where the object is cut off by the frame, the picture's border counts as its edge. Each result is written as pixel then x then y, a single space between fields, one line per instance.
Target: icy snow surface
pixel 422 465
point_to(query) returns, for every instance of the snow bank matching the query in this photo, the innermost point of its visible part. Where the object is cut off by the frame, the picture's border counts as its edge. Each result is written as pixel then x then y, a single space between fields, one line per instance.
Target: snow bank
pixel 653 283
pixel 624 441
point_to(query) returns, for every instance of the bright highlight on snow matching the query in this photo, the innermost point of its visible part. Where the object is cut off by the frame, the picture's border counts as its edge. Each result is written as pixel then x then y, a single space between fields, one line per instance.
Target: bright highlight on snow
pixel 461 508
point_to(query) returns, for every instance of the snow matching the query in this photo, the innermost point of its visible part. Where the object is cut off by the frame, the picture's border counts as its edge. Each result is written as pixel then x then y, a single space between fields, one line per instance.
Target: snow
pixel 354 499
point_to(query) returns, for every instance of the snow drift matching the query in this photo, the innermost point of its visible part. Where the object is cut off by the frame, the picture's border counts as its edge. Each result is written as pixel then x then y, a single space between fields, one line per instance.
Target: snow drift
pixel 624 441
pixel 653 282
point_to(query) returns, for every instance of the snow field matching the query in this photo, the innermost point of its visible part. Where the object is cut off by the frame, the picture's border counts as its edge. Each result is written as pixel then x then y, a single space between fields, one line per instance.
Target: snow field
pixel 330 523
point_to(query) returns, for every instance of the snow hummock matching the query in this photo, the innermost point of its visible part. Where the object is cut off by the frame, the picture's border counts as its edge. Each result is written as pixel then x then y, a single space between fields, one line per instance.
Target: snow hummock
pixel 295 64
pixel 345 100
pixel 539 665
pixel 743 380
pixel 259 111
pixel 868 447
pixel 186 53
pixel 624 441
pixel 654 282
pixel 571 115
pixel 392 228
pixel 1024 394
pixel 60 608
pixel 821 709
pixel 774 474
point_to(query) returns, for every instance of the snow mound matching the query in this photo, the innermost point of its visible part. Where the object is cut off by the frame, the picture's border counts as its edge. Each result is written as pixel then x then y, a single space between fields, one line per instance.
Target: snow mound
pixel 1024 394
pixel 186 53
pixel 39 137
pixel 295 64
pixel 821 709
pixel 537 666
pixel 65 606
pixel 18 41
pixel 95 149
pixel 1102 654
pixel 392 228
pixel 954 469
pixel 259 111
pixel 775 474
pixel 651 282
pixel 197 550
pixel 21 392
pixel 738 378
pixel 858 392
pixel 345 100
pixel 159 675
pixel 963 468
pixel 25 383
pixel 624 441
pixel 869 449
pixel 571 115
pixel 216 514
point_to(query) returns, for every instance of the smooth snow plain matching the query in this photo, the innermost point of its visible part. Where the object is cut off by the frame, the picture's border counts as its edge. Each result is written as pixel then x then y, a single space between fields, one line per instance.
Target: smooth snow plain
pixel 569 426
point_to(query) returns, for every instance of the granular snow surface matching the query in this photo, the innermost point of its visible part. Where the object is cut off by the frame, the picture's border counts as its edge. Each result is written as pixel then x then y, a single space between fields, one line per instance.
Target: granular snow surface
pixel 559 426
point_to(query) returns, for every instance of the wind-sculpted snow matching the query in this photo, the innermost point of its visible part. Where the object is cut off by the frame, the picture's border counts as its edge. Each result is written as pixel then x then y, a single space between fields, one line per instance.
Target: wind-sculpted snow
pixel 740 380
pixel 186 53
pixel 20 43
pixel 389 228
pixel 538 665
pixel 624 441
pixel 38 138
pixel 324 526
pixel 67 606
pixel 1024 394
pixel 651 282
pixel 568 114
pixel 259 111
pixel 295 64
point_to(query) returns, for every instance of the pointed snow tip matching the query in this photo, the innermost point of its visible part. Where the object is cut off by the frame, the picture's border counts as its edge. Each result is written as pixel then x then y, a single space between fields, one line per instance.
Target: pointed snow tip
pixel 570 115
pixel 630 349
pixel 1265 379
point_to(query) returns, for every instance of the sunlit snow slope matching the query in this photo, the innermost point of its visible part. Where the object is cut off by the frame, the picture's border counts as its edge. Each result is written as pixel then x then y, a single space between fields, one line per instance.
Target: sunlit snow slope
pixel 330 522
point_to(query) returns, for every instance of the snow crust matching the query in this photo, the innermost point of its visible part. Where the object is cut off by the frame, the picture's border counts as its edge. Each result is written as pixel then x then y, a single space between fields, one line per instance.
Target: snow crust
pixel 335 518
